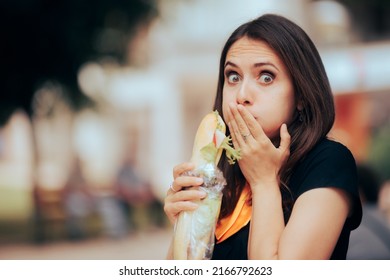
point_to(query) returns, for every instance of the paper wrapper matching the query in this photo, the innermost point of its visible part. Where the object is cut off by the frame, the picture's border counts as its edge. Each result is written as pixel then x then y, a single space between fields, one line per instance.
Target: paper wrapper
pixel 194 233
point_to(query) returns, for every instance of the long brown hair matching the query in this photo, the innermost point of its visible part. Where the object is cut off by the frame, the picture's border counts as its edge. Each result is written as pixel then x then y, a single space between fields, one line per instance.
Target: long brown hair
pixel 311 87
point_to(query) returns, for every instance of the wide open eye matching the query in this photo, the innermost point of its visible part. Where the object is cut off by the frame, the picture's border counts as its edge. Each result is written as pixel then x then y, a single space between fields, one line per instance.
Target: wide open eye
pixel 232 77
pixel 266 78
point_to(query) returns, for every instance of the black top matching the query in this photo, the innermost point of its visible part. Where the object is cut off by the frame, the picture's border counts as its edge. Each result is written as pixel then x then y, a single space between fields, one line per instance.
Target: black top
pixel 328 164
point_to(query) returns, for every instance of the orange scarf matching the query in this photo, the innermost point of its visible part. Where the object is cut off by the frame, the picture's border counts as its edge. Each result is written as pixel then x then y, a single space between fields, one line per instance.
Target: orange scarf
pixel 237 220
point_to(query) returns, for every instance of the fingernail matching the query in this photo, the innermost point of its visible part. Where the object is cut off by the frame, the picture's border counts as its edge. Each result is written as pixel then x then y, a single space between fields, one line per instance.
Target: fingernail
pixel 202 194
pixel 199 180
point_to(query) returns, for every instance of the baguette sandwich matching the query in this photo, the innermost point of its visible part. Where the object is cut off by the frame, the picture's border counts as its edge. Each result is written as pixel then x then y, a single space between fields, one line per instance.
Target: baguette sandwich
pixel 194 230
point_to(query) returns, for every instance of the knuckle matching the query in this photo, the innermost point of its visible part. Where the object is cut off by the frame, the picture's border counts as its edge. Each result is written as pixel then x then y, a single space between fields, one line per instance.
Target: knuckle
pixel 176 171
pixel 244 151
pixel 263 142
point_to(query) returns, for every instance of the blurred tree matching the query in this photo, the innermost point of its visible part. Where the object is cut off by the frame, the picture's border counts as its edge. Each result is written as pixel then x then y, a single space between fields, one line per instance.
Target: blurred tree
pixel 49 40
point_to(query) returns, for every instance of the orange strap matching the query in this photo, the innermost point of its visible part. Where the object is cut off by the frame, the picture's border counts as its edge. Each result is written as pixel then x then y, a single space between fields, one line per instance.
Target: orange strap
pixel 237 220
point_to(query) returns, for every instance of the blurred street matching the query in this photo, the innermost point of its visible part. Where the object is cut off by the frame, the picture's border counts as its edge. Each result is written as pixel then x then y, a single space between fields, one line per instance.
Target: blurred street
pixel 143 245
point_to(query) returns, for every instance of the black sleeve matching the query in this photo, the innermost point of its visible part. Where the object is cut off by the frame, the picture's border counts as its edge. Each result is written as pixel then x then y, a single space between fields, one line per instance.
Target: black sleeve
pixel 330 164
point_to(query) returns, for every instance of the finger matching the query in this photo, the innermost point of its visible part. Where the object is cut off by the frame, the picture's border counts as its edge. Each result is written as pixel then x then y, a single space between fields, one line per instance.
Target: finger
pixel 172 210
pixel 184 181
pixel 237 139
pixel 241 124
pixel 181 168
pixel 183 206
pixel 182 201
pixel 232 127
pixel 241 137
pixel 285 138
pixel 253 126
pixel 193 194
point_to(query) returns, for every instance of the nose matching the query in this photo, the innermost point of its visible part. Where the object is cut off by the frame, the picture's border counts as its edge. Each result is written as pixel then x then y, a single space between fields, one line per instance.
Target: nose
pixel 244 94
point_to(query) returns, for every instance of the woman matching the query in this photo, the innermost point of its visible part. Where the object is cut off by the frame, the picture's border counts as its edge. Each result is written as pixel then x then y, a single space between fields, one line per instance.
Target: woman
pixel 293 194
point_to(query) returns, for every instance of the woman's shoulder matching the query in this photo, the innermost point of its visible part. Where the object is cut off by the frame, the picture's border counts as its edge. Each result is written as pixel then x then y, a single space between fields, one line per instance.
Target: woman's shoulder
pixel 327 153
pixel 329 163
pixel 330 147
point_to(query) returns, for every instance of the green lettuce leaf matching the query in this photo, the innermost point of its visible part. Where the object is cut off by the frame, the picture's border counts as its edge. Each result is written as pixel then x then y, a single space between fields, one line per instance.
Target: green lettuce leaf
pixel 209 152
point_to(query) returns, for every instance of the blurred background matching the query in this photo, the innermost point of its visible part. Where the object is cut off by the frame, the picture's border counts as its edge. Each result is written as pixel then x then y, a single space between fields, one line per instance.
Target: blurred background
pixel 101 98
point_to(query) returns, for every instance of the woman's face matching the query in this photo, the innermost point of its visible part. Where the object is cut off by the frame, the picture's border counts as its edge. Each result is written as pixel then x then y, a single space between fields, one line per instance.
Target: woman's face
pixel 257 78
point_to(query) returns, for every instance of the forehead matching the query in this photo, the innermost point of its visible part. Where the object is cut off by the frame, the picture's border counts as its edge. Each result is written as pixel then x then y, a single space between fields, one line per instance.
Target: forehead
pixel 253 49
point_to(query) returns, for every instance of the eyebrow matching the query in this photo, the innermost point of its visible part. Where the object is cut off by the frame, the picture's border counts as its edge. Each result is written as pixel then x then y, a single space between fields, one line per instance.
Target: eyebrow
pixel 256 65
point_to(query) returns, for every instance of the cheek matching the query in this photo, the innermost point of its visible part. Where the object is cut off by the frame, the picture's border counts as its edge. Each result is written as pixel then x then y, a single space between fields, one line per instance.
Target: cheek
pixel 271 127
pixel 273 116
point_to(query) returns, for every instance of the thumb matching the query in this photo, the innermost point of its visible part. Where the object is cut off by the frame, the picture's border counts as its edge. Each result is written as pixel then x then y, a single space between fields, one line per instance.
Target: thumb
pixel 285 138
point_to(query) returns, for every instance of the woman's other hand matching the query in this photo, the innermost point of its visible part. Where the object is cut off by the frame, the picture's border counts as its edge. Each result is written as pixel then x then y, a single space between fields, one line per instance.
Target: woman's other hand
pixel 183 192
